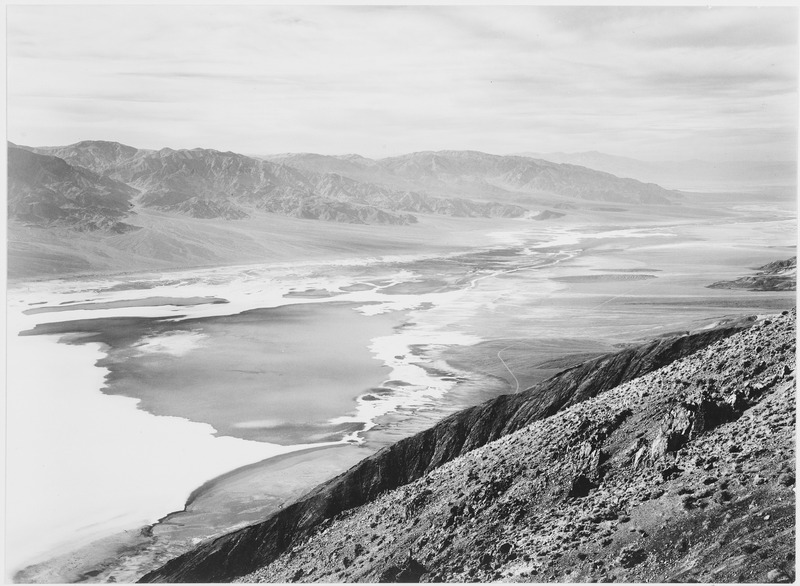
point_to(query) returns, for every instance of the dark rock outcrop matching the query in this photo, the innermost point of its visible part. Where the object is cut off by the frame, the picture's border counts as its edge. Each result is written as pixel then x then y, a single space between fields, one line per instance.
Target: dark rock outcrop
pixel 780 275
pixel 250 548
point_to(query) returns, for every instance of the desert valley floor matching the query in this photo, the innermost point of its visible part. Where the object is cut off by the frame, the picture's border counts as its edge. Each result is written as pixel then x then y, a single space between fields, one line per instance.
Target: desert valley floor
pixel 221 393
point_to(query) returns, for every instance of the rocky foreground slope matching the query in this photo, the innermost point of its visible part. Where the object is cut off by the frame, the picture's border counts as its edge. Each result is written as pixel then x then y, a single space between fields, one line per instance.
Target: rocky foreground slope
pixel 646 464
pixel 684 474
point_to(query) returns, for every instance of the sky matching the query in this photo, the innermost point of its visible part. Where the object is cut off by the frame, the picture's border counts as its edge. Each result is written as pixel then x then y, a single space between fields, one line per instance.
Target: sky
pixel 657 83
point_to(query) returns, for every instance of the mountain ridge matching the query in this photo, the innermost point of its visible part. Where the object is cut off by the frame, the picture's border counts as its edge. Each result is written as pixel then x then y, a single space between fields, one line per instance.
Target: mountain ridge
pixel 478 170
pixel 46 191
pixel 207 183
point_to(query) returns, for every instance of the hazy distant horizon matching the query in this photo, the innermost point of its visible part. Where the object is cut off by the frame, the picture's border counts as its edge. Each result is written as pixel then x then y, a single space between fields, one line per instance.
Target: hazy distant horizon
pixel 543 155
pixel 656 83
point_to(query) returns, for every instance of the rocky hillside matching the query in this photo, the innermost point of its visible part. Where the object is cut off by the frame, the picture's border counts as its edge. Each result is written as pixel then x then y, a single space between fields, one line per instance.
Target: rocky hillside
pixel 46 191
pixel 780 275
pixel 206 183
pixel 101 156
pixel 684 474
pixel 410 470
pixel 343 188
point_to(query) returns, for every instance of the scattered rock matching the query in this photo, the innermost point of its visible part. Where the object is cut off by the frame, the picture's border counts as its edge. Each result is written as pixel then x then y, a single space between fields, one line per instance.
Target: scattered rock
pixel 778 576
pixel 411 572
pixel 580 487
pixel 631 556
pixel 389 575
pixel 683 544
pixel 505 548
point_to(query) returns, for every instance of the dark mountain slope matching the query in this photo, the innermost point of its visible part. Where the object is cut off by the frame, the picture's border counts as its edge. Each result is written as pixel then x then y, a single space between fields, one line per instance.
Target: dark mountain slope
pixel 684 474
pixel 246 550
pixel 780 275
pixel 47 191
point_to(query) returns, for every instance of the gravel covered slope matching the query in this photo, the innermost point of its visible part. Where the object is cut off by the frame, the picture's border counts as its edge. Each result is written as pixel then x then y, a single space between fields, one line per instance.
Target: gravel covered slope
pixel 243 551
pixel 684 474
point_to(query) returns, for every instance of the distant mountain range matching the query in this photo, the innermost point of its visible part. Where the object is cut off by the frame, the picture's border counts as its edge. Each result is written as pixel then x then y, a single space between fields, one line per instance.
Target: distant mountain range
pixel 44 190
pixel 95 184
pixel 479 175
pixel 685 175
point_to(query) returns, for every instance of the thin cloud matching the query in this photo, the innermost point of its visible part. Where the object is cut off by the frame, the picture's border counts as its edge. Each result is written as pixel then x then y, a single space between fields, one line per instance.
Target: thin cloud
pixel 386 80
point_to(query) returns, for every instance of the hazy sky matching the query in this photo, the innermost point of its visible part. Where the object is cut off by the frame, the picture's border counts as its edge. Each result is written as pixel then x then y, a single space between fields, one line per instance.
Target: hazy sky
pixel 671 83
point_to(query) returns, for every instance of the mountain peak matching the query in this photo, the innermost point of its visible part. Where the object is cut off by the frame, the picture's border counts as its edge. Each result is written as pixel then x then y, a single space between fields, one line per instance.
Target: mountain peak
pixel 101 143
